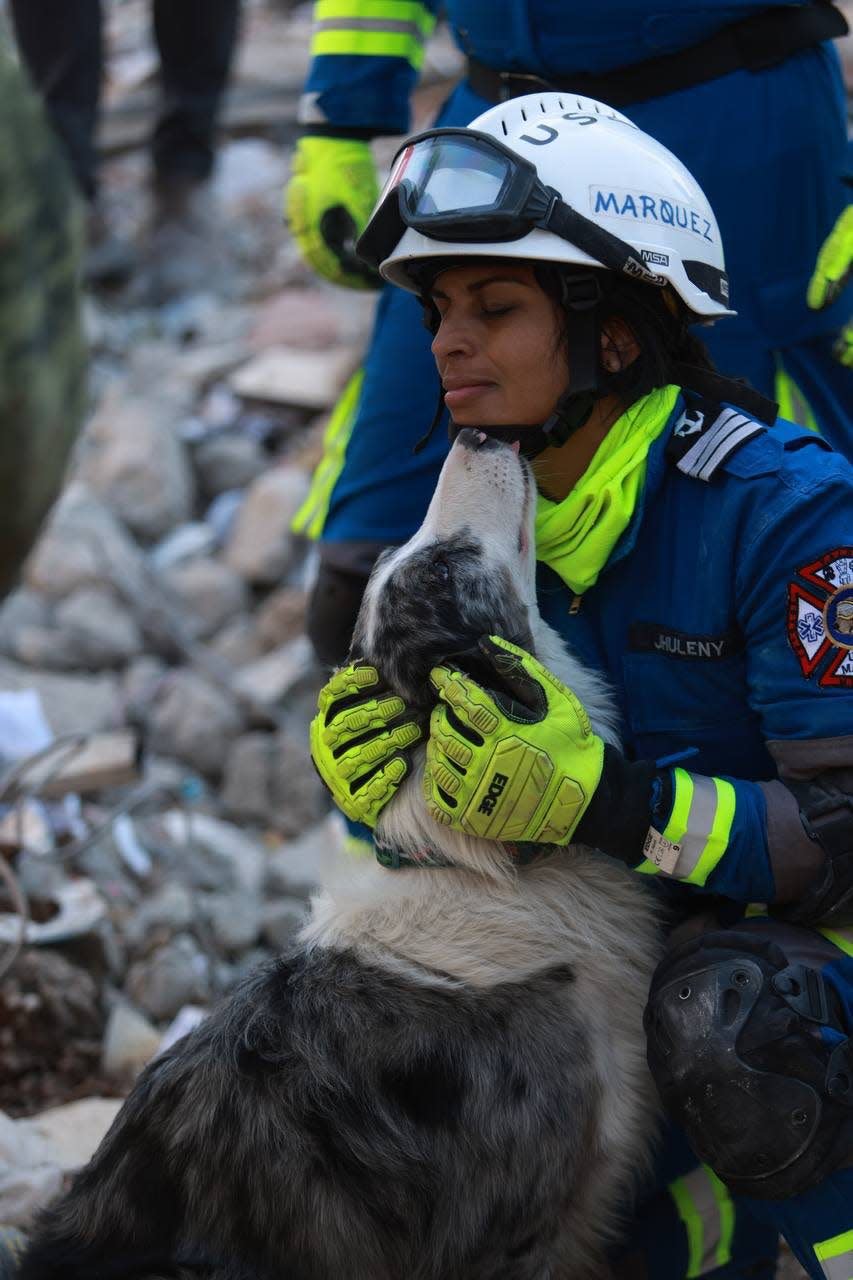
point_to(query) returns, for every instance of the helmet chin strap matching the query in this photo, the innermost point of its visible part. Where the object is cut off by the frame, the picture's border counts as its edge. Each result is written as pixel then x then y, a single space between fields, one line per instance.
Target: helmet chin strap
pixel 579 296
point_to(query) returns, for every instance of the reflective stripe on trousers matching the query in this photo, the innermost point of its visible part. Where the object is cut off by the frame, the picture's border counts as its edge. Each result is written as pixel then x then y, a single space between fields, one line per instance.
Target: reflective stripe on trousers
pixel 836 1256
pixel 705 1207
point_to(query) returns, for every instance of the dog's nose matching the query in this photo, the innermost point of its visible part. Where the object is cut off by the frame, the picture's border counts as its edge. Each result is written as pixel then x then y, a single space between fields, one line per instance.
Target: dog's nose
pixel 471 438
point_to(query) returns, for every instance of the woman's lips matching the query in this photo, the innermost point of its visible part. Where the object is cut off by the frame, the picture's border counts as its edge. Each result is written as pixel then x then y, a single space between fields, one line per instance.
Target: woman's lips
pixel 458 396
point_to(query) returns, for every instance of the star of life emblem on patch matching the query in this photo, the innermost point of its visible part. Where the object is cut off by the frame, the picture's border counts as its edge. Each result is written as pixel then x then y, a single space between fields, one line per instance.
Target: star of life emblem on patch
pixel 820 618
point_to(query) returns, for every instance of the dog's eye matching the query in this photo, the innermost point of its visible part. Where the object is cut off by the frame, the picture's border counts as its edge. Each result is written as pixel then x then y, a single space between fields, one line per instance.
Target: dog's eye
pixel 441 569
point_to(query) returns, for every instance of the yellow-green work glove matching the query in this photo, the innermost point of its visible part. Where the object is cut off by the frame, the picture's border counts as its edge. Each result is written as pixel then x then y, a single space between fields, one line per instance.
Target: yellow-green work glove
pixel 359 742
pixel 834 264
pixel 516 763
pixel 329 199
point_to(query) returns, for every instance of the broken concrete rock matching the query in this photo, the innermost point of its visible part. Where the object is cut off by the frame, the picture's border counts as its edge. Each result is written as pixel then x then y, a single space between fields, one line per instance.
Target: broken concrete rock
pixel 194 721
pixel 281 617
pixel 130 1041
pixel 228 461
pixel 72 704
pixel 95 630
pixel 133 459
pixel 85 545
pixel 209 594
pixel 175 974
pixel 261 546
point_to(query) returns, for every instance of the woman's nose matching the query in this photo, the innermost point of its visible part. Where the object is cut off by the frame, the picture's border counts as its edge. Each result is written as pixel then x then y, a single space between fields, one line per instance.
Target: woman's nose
pixel 454 337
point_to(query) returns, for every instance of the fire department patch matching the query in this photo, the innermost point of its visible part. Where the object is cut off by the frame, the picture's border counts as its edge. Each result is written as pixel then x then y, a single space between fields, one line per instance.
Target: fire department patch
pixel 820 618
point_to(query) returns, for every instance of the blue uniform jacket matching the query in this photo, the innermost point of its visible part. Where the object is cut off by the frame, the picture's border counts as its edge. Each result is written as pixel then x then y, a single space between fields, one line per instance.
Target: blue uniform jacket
pixel 721 619
pixel 552 38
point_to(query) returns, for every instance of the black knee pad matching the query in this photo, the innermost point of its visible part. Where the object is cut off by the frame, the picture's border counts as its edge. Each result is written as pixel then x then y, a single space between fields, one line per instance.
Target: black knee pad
pixel 332 610
pixel 746 1049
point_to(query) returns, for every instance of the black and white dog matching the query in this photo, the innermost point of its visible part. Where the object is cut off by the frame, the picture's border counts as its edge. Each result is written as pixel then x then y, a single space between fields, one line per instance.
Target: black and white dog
pixel 446 1079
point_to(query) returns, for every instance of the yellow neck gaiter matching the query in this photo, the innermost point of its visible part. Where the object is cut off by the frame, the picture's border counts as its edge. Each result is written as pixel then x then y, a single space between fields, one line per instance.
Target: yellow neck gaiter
pixel 576 536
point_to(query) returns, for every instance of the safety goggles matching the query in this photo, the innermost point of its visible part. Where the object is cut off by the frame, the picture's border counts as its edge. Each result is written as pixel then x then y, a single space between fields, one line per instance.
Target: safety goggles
pixel 465 187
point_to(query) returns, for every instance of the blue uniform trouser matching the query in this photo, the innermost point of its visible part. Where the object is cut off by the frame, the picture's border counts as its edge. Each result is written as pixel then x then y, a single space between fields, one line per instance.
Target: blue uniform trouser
pixel 770 163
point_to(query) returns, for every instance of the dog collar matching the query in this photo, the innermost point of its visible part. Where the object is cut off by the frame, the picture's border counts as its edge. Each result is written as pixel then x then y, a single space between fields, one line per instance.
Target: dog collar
pixel 522 854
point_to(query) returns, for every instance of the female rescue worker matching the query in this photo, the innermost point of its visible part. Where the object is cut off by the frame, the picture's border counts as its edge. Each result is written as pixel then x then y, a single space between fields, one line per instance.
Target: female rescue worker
pixel 698 554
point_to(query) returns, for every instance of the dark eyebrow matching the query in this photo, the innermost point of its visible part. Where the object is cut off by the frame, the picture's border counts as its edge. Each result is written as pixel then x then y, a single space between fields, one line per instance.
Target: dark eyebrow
pixel 481 284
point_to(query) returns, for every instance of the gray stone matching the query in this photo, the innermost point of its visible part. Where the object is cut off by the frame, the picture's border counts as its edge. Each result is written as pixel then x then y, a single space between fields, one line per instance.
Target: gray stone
pixel 209 594
pixel 72 704
pixel 23 608
pixel 130 1041
pixel 221 515
pixel 270 779
pixel 183 543
pixel 169 911
pixel 267 681
pixel 85 545
pixel 228 461
pixel 95 630
pixel 139 686
pixel 175 974
pixel 245 784
pixel 261 546
pixel 237 643
pixel 133 459
pixel 281 617
pixel 298 797
pixel 234 920
pixel 298 866
pixel 239 859
pixel 282 920
pixel 286 375
pixel 193 721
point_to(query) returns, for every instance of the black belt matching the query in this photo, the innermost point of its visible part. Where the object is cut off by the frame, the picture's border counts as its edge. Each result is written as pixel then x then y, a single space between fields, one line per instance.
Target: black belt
pixel 749 45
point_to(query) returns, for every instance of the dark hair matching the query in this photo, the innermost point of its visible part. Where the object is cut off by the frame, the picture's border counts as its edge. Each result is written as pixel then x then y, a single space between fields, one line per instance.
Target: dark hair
pixel 660 325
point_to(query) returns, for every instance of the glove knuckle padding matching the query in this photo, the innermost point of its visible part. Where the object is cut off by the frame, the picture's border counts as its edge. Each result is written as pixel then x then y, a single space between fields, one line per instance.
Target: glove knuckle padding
pixel 538 764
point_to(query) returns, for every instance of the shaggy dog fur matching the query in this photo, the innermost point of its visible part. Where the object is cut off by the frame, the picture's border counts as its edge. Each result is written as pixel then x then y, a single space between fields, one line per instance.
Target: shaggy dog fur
pixel 446 1079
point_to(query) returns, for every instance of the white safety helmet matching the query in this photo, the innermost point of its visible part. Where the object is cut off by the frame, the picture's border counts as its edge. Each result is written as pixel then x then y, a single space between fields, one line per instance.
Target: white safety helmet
pixel 607 195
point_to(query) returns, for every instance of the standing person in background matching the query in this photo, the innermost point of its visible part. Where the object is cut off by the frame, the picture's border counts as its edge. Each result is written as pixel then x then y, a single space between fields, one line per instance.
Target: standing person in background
pixel 749 96
pixel 61 43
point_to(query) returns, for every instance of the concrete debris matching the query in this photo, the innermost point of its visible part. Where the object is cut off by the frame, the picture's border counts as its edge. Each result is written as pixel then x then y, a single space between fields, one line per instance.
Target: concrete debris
pixel 287 375
pixel 175 974
pixel 261 547
pixel 130 1041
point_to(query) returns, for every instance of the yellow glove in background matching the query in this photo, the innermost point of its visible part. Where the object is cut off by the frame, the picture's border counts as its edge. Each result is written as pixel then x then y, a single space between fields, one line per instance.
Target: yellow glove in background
pixel 359 742
pixel 834 264
pixel 329 199
pixel 518 765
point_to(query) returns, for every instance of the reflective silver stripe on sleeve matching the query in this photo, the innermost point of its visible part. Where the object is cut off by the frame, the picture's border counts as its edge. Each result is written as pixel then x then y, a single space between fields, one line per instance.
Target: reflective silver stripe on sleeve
pixel 700 820
pixel 398 25
pixel 727 433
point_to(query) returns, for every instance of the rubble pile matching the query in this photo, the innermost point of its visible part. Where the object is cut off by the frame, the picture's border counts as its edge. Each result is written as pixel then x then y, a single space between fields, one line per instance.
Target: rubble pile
pixel 159 812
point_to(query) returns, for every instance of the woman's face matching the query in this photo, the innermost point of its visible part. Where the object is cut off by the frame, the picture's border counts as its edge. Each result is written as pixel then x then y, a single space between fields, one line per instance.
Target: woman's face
pixel 498 348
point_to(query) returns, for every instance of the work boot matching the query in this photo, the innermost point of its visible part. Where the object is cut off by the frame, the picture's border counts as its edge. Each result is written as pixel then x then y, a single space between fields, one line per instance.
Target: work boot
pixel 109 261
pixel 183 251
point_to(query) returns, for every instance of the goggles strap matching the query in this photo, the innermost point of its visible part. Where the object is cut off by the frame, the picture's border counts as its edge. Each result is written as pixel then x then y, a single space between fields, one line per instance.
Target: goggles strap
pixel 608 249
